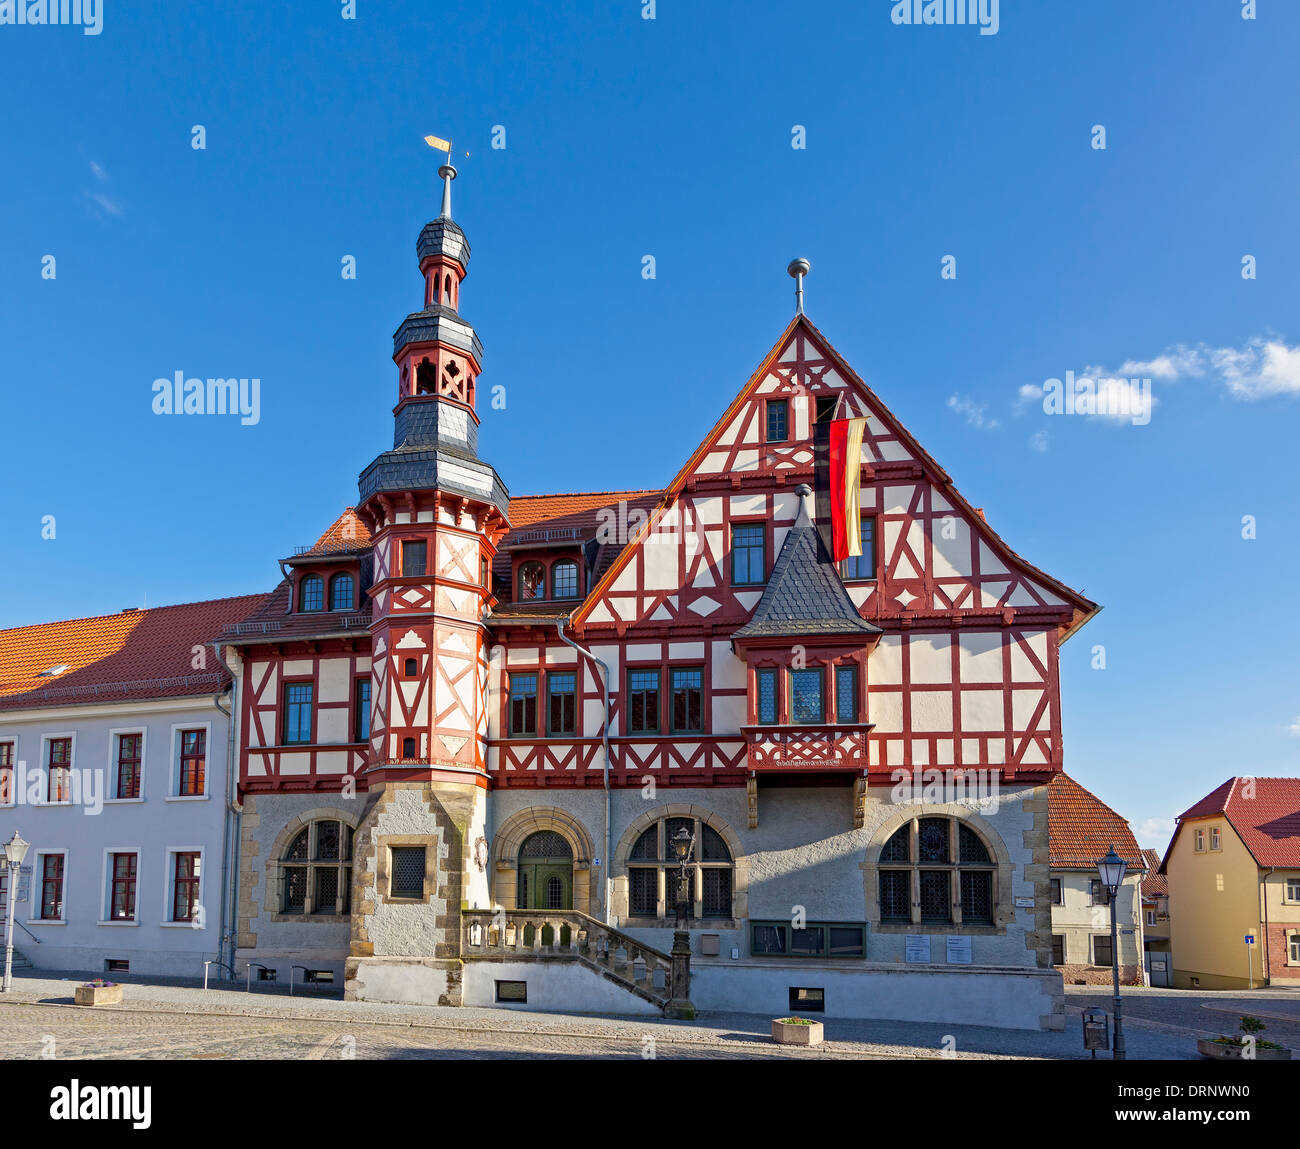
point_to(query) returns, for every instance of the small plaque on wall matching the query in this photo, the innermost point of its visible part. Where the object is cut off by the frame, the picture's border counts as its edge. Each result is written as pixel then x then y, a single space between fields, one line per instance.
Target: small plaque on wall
pixel 959 950
pixel 1024 903
pixel 917 948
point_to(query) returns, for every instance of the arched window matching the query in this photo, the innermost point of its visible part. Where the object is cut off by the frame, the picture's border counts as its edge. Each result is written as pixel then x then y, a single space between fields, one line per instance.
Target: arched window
pixel 532 581
pixel 311 593
pixel 943 866
pixel 564 579
pixel 446 289
pixel 341 592
pixel 654 872
pixel 316 870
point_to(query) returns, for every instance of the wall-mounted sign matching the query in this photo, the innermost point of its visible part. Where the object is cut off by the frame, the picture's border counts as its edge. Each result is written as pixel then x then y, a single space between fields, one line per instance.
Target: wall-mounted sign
pixel 959 950
pixel 917 948
pixel 1024 903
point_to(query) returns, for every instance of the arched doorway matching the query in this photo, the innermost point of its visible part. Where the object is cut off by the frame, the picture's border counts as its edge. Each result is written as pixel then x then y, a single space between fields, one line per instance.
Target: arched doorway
pixel 545 873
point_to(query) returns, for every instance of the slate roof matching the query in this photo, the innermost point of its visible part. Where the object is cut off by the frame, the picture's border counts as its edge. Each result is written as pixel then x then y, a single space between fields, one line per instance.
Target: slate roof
pixel 443 236
pixel 1154 883
pixel 134 654
pixel 1265 813
pixel 1081 828
pixel 804 595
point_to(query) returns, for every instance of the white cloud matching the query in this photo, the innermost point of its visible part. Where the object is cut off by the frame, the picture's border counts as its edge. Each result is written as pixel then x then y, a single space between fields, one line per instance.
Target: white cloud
pixel 1260 368
pixel 1038 442
pixel 1294 728
pixel 972 411
pixel 106 204
pixel 1154 833
pixel 99 172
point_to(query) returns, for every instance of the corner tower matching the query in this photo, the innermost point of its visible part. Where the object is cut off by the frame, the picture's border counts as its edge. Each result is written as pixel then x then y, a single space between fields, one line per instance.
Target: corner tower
pixel 436 512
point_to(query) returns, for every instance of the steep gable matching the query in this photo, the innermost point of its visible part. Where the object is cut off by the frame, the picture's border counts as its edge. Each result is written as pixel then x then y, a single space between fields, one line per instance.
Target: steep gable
pixel 937 553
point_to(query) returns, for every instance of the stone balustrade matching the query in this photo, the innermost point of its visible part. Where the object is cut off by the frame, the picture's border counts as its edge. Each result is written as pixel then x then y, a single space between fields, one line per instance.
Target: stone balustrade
pixel 542 934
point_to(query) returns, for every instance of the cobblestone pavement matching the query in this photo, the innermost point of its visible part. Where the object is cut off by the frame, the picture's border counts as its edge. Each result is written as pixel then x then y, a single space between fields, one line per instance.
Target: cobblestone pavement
pixel 1204 1013
pixel 181 1020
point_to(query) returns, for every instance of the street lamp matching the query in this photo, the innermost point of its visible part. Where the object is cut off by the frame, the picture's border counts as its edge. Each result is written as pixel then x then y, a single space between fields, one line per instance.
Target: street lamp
pixel 1112 869
pixel 683 842
pixel 15 852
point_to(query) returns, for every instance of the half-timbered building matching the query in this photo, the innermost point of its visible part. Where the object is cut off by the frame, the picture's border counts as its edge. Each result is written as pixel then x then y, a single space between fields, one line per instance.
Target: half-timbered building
pixel 474 728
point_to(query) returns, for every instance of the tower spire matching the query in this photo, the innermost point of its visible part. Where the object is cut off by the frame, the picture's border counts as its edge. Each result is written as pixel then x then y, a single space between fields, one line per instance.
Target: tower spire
pixel 447 173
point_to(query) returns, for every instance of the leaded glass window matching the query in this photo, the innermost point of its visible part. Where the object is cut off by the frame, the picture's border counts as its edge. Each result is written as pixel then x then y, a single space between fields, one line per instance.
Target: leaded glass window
pixel 846 694
pixel 919 856
pixel 545 844
pixel 709 872
pixel 767 710
pixel 407 877
pixel 806 696
pixel 316 870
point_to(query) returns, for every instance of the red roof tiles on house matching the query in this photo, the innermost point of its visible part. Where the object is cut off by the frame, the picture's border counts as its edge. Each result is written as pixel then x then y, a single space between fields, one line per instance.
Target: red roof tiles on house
pixel 346 533
pixel 1154 884
pixel 1265 813
pixel 1081 828
pixel 134 654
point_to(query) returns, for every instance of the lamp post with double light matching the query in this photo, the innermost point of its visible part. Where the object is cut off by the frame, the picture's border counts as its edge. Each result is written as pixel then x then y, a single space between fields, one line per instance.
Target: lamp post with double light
pixel 15 852
pixel 1112 869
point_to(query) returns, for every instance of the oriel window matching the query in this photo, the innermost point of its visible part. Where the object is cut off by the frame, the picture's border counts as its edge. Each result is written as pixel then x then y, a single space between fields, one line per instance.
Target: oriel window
pixel 414 557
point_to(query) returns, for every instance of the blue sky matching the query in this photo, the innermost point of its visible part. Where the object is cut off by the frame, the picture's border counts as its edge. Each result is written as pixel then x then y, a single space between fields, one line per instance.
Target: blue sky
pixel 672 137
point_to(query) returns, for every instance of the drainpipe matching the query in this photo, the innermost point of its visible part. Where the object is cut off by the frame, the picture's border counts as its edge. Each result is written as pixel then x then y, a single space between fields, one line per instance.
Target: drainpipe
pixel 288 577
pixel 604 741
pixel 229 840
pixel 1265 964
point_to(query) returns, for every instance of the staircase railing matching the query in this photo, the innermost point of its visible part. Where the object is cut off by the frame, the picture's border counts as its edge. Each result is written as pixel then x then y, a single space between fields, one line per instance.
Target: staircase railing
pixel 534 935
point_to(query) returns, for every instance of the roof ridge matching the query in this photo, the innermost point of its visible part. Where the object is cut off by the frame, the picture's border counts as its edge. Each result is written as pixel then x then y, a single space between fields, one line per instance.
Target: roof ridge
pixel 583 494
pixel 131 611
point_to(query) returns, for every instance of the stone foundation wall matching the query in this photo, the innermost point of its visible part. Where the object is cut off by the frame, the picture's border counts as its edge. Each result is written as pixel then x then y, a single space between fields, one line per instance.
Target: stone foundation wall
pixel 1073 973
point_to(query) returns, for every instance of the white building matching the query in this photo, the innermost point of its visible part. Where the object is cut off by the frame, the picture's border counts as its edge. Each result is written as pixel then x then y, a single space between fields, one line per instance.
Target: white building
pixel 114 752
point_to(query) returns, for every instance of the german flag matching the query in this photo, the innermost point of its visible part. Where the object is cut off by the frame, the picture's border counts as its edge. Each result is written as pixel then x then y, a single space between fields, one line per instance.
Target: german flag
pixel 838 448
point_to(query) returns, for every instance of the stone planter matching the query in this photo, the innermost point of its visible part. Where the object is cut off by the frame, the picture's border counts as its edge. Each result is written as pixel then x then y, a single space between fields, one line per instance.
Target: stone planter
pixel 797 1033
pixel 99 994
pixel 1217 1051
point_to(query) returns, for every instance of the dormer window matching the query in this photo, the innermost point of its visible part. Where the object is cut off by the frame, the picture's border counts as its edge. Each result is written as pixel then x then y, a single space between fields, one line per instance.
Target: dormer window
pixel 564 579
pixel 532 581
pixel 341 588
pixel 311 593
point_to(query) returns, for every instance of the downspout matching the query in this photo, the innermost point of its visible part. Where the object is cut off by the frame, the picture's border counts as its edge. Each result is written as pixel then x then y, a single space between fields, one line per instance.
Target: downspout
pixel 229 840
pixel 1267 971
pixel 288 577
pixel 604 741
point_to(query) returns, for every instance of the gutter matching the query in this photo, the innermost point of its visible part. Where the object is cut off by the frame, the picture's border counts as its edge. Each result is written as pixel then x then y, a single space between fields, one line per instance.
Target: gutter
pixel 607 882
pixel 1267 971
pixel 231 811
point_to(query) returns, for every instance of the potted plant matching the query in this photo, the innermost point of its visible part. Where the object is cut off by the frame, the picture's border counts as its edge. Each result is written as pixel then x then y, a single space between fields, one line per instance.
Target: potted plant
pixel 796 1031
pixel 98 992
pixel 1244 1046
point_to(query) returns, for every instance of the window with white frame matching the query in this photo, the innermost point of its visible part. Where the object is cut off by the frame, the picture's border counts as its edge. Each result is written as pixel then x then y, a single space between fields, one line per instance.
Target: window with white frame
pixel 1215 839
pixel 8 757
pixel 58 766
pixel 50 872
pixel 185 885
pixel 192 765
pixel 128 762
pixel 1293 949
pixel 1293 889
pixel 1200 841
pixel 123 871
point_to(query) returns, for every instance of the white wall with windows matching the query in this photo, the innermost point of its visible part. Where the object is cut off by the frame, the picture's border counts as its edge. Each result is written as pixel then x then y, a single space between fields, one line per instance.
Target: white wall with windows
pixel 123 806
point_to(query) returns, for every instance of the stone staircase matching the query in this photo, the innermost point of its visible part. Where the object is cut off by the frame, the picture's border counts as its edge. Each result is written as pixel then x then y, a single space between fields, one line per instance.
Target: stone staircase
pixel 21 960
pixel 569 935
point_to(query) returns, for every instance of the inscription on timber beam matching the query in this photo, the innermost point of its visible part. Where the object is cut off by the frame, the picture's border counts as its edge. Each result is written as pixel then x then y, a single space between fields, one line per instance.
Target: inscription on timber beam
pixel 840 747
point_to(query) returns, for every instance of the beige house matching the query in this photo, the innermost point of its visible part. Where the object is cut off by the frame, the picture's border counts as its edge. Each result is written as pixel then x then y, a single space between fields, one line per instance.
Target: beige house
pixel 1081 829
pixel 1234 887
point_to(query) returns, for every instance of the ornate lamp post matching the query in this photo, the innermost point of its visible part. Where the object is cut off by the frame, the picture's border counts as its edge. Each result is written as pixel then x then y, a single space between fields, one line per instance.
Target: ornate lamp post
pixel 1112 869
pixel 15 851
pixel 683 845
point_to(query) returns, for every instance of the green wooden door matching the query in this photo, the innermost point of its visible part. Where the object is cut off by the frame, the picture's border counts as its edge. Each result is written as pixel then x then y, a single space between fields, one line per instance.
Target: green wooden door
pixel 546 885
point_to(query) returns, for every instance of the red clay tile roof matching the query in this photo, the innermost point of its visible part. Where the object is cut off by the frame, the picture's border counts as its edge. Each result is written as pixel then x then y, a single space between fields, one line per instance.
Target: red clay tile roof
pixel 1081 828
pixel 1265 813
pixel 346 533
pixel 134 654
pixel 1155 884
